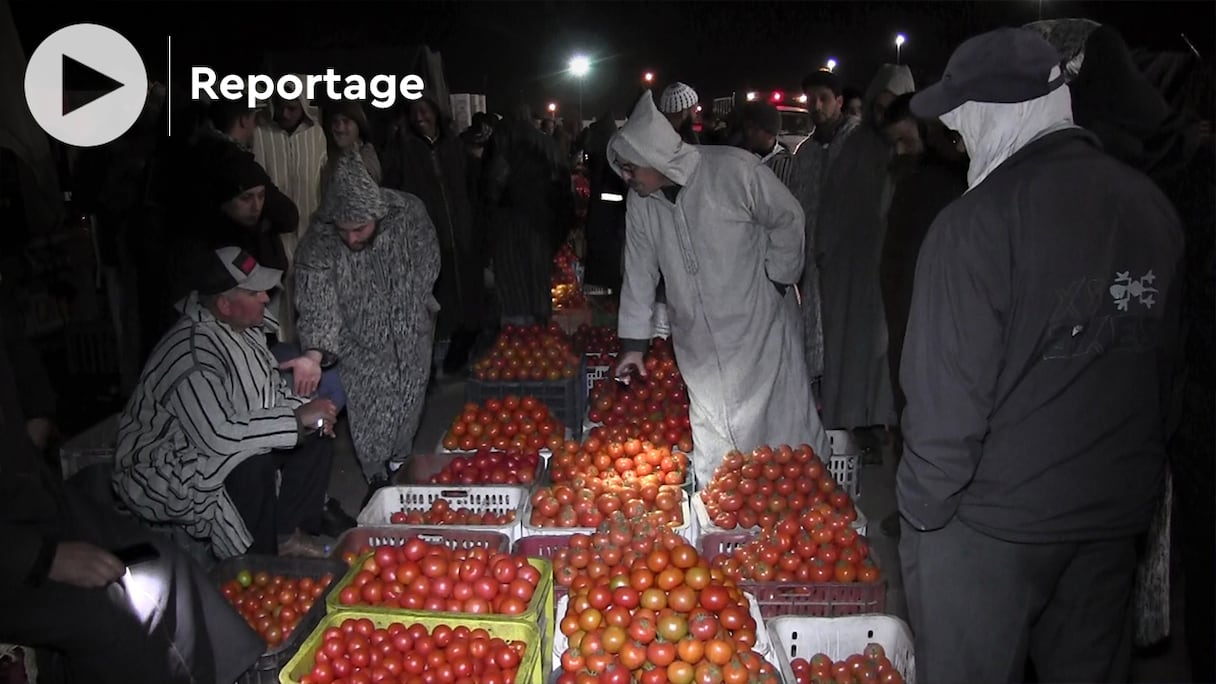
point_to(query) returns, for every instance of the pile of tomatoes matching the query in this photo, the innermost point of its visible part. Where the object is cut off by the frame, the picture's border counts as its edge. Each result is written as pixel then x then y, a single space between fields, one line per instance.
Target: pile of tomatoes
pixel 596 340
pixel 512 467
pixel 442 513
pixel 273 604
pixel 357 650
pixel 510 423
pixel 588 503
pixel 769 484
pixel 669 618
pixel 425 576
pixel 528 354
pixel 653 408
pixel 565 288
pixel 612 550
pixel 869 667
pixel 614 452
pixel 812 549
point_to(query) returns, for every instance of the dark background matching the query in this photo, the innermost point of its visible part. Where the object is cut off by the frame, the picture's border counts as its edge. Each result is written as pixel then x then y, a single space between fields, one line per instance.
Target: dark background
pixel 514 50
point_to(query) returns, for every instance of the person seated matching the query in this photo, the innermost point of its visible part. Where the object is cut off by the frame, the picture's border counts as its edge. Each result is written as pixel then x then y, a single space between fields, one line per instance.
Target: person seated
pixel 213 421
pixel 154 619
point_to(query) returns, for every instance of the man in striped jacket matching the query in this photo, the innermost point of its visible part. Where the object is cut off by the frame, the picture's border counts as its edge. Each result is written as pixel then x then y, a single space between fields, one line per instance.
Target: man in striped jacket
pixel 212 420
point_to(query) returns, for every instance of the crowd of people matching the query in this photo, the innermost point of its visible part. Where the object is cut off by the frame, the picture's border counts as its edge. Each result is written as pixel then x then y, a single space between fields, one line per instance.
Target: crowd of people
pixel 994 270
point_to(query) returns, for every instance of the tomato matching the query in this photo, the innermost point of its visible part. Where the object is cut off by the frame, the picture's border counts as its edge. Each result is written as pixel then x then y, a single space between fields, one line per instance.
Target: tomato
pixel 672 627
pixel 642 630
pixel 714 598
pixel 633 655
pixel 680 672
pixel 682 599
pixel 845 572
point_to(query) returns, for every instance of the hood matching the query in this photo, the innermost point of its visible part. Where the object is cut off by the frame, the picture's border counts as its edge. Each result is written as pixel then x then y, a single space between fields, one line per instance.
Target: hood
pixel 647 139
pixel 1113 98
pixel 894 78
pixel 1068 37
pixel 352 195
pixel 994 132
pixel 311 115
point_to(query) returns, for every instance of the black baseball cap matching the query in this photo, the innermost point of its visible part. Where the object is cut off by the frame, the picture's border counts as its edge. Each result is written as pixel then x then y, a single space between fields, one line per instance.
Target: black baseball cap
pixel 1006 65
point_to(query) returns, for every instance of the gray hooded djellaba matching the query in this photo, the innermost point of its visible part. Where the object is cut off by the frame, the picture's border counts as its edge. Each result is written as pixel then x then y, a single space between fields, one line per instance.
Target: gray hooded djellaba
pixel 373 307
pixel 727 246
pixel 848 242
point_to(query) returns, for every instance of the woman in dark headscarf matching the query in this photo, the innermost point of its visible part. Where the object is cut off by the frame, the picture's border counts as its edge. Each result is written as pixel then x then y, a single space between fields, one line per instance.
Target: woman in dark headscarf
pixel 531 210
pixel 1114 99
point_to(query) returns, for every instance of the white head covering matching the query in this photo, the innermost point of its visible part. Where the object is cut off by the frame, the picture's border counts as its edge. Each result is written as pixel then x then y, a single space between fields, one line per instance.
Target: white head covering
pixel 677 97
pixel 994 132
pixel 648 140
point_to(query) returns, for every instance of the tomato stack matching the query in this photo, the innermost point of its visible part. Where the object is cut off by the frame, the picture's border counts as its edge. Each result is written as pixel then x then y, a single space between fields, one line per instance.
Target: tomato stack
pixel 666 617
pixel 355 649
pixel 596 340
pixel 528 354
pixel 441 512
pixel 273 604
pixel 653 408
pixel 769 484
pixel 587 502
pixel 611 550
pixel 432 577
pixel 869 667
pixel 511 423
pixel 613 453
pixel 509 467
pixel 565 289
pixel 806 550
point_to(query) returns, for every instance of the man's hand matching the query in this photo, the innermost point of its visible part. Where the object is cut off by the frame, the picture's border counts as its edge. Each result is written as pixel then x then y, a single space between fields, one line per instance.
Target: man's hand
pixel 318 414
pixel 41 431
pixel 630 363
pixel 84 565
pixel 305 372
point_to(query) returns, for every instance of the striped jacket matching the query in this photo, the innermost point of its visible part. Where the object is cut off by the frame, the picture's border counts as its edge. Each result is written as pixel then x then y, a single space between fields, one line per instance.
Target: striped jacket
pixel 208 399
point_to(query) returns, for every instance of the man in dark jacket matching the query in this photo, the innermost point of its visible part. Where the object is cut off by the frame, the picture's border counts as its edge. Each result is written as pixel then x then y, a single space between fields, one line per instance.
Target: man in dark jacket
pixel 427 160
pixel 1037 368
pixel 63 587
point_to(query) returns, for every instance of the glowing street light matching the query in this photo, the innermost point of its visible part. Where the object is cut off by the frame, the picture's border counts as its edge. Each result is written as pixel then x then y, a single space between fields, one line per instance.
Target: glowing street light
pixel 579 66
pixel 648 77
pixel 751 97
pixel 802 98
pixel 831 65
pixel 900 39
pixel 552 107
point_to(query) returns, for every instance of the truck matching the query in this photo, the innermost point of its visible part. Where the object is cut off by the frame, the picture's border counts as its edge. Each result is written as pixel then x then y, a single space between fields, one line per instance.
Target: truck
pixel 796 124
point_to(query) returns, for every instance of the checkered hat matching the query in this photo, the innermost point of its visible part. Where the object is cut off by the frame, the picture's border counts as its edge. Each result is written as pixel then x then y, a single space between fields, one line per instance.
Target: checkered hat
pixel 677 97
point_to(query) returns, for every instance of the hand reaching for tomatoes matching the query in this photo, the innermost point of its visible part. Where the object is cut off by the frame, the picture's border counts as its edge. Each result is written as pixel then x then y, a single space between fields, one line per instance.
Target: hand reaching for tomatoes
pixel 630 363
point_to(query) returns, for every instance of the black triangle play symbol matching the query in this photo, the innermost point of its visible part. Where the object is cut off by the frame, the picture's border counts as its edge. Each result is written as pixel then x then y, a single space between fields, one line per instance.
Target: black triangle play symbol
pixel 90 83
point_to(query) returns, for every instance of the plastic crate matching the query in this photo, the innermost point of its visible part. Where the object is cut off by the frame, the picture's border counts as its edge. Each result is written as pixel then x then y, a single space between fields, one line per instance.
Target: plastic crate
pixel 273 659
pixel 705 526
pixel 828 599
pixel 481 499
pixel 837 638
pixel 532 668
pixel 419 468
pixel 539 611
pixel 596 367
pixel 685 530
pixel 566 399
pixel 396 535
pixel 846 457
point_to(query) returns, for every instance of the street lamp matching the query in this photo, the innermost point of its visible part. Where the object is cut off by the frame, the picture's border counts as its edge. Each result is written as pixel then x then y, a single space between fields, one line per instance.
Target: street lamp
pixel 899 43
pixel 552 107
pixel 648 77
pixel 751 96
pixel 579 67
pixel 831 65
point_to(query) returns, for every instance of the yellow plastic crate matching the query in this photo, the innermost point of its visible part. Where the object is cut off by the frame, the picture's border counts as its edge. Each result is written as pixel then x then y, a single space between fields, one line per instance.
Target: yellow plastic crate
pixel 531 670
pixel 539 612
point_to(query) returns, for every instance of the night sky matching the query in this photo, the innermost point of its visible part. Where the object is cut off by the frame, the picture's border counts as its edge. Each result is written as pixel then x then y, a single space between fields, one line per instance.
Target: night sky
pixel 514 50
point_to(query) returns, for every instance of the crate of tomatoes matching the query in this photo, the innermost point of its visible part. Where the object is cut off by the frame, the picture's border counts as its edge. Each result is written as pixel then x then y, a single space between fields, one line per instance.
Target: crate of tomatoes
pixel 861 648
pixel 508 424
pixel 360 541
pixel 282 599
pixel 584 505
pixel 532 361
pixel 476 583
pixel 493 508
pixel 467 649
pixel 485 466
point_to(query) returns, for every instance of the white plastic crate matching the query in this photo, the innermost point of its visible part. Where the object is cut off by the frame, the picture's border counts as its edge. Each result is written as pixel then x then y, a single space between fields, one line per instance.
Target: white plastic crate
pixel 494 499
pixel 687 530
pixel 846 457
pixel 803 637
pixel 704 526
pixel 596 369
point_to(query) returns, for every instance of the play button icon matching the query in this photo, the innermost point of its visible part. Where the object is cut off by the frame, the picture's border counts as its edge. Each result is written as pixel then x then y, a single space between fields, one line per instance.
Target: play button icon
pixel 86 85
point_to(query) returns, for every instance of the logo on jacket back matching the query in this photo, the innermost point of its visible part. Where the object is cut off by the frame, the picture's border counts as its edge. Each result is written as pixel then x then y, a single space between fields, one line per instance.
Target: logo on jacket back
pixel 1125 289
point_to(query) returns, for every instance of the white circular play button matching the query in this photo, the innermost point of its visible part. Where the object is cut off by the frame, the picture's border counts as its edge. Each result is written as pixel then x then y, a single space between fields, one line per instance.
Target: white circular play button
pixel 86 85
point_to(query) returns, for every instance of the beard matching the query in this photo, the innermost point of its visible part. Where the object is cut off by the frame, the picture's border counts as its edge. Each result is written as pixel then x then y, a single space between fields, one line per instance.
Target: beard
pixel 371 240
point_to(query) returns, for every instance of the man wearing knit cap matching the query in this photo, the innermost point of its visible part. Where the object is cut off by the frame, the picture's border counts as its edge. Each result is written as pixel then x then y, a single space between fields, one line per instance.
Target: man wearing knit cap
pixel 679 104
pixel 1037 366
pixel 726 236
pixel 364 278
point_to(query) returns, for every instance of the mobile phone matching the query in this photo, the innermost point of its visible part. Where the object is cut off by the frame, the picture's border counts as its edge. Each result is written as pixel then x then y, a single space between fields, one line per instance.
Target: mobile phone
pixel 136 554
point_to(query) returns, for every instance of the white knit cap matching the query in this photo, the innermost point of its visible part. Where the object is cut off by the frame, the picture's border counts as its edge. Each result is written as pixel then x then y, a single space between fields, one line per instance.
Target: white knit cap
pixel 677 97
